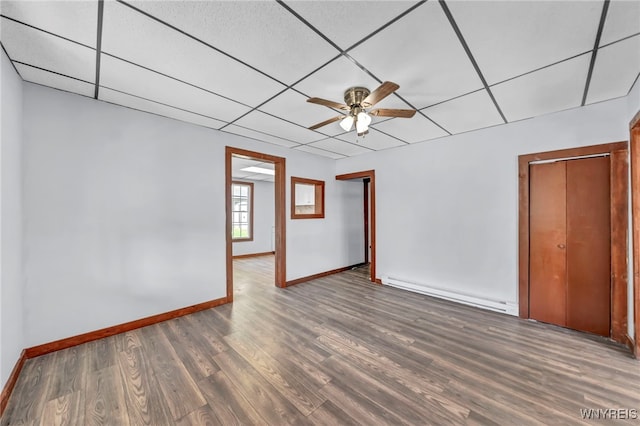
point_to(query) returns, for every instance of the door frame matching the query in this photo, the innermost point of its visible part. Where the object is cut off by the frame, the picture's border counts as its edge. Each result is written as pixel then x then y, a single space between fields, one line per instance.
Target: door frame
pixel 634 127
pixel 280 213
pixel 371 175
pixel 366 182
pixel 619 181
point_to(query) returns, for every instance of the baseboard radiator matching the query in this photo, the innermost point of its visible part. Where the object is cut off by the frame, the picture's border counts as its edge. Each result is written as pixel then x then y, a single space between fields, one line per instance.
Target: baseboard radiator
pixel 510 308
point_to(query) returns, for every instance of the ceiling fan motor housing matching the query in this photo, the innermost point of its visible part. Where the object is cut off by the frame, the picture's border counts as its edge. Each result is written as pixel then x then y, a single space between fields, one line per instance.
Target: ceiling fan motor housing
pixel 355 96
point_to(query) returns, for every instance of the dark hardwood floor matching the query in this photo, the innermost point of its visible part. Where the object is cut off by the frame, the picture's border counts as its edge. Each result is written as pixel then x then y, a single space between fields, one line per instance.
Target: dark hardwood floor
pixel 335 351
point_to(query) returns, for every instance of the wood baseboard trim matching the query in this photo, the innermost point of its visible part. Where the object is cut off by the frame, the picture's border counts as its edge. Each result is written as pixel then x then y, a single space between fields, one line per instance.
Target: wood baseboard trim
pixel 121 328
pixel 630 343
pixel 378 281
pixel 321 275
pixel 244 256
pixel 11 382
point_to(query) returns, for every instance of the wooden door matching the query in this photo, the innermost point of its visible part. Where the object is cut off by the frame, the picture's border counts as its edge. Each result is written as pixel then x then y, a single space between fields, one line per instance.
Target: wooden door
pixel 588 245
pixel 548 239
pixel 570 231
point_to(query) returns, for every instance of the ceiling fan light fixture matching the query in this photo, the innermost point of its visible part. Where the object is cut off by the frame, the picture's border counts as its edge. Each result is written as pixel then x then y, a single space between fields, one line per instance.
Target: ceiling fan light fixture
pixel 362 122
pixel 347 123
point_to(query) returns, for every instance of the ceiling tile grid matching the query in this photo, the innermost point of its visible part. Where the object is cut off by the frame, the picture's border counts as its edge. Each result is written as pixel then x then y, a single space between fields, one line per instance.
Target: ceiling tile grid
pixel 468 112
pixel 269 124
pixel 623 20
pixel 322 152
pixel 422 53
pixel 261 136
pixel 375 140
pixel 509 38
pixel 551 89
pixel 141 104
pixel 123 76
pixel 260 33
pixel 132 36
pixel 43 50
pixel 616 68
pixel 247 67
pixel 75 20
pixel 340 147
pixel 47 78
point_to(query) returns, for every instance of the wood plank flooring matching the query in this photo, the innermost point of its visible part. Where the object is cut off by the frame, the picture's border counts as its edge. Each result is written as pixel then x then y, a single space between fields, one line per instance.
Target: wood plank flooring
pixel 335 351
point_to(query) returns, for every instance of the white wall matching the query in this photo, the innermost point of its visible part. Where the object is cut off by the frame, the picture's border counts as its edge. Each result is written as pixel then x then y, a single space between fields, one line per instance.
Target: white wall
pixel 447 209
pixel 11 276
pixel 125 217
pixel 263 220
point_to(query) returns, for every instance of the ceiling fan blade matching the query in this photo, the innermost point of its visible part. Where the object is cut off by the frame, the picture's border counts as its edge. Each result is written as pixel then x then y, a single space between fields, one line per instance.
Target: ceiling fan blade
pixel 325 122
pixel 403 113
pixel 384 90
pixel 327 103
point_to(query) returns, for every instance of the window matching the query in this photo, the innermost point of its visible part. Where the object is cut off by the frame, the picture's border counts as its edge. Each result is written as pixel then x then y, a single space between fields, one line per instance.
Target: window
pixel 307 198
pixel 242 211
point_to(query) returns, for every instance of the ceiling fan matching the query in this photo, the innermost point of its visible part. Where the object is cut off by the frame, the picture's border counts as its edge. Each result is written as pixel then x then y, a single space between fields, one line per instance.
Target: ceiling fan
pixel 356 101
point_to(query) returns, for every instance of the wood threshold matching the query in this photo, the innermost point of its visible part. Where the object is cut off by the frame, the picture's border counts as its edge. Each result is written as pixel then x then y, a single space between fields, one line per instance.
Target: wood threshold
pixel 69 342
pixel 371 175
pixel 244 256
pixel 322 274
pixel 629 342
pixel 11 382
pixel 280 214
pixel 619 225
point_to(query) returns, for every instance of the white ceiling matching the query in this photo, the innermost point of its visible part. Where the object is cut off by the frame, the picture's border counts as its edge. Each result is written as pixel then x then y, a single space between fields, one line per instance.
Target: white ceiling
pixel 237 164
pixel 247 67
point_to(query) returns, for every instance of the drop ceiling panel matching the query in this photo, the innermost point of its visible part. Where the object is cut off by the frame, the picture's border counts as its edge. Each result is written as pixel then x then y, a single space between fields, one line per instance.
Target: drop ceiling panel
pixel 132 36
pixel 46 51
pixel 155 108
pixel 293 106
pixel 470 112
pixel 262 34
pixel 331 81
pixel 421 53
pixel 253 177
pixel 509 38
pixel 373 140
pixel 265 123
pixel 46 78
pixel 336 18
pixel 128 78
pixel 340 147
pixel 237 164
pixel 416 129
pixel 241 131
pixel 318 151
pixel 623 20
pixel 75 20
pixel 552 89
pixel 615 70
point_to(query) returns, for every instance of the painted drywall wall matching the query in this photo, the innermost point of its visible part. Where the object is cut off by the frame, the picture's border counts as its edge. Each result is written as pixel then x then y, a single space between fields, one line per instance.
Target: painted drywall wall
pixel 447 209
pixel 124 214
pixel 11 275
pixel 263 220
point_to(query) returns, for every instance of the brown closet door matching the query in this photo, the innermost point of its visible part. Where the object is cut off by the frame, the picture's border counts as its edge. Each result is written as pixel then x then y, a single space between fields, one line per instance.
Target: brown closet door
pixel 588 245
pixel 547 240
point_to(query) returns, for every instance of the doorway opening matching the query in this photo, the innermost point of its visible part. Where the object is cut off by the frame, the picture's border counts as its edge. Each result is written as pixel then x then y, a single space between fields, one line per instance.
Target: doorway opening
pixel 241 200
pixel 534 216
pixel 368 178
